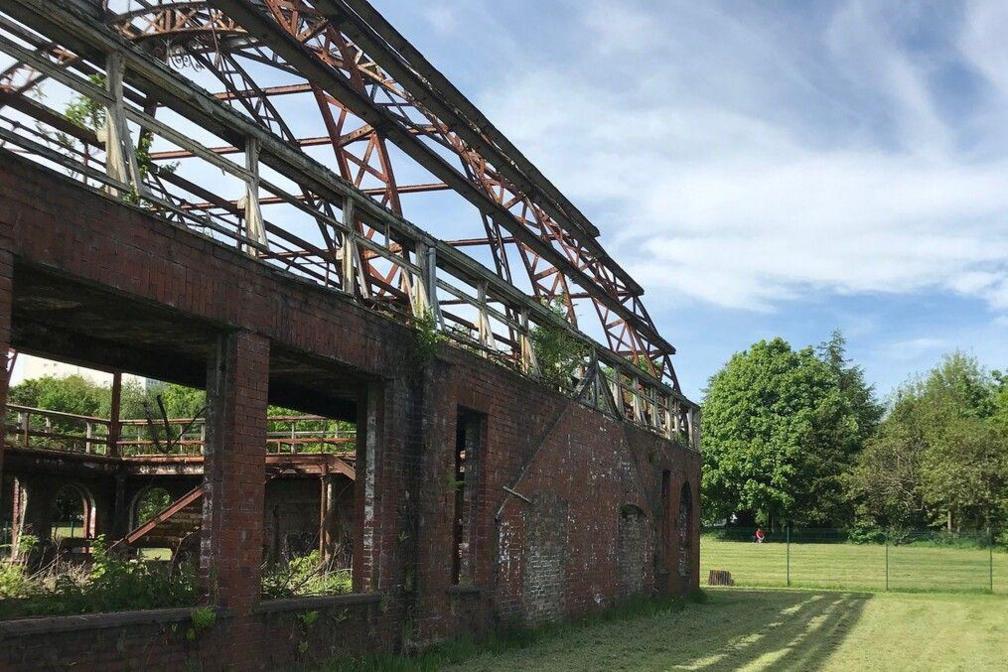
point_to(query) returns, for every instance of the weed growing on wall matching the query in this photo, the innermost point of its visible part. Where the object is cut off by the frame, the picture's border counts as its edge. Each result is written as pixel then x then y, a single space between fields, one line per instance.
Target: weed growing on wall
pixel 428 338
pixel 559 353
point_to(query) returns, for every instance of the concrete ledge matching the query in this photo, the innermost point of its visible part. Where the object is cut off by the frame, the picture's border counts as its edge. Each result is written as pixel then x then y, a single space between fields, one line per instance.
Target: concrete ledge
pixel 53 624
pixel 318 602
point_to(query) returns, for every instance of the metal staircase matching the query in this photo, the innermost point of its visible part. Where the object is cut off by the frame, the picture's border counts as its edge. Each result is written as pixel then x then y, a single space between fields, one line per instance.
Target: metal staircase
pixel 171 527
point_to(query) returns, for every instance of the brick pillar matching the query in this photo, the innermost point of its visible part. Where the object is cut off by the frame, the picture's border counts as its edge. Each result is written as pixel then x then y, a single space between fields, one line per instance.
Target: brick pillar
pixel 6 301
pixel 370 420
pixel 235 474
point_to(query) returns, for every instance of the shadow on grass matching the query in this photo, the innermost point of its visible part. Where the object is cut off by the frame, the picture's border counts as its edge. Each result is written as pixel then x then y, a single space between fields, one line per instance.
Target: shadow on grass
pixel 783 630
pixel 725 630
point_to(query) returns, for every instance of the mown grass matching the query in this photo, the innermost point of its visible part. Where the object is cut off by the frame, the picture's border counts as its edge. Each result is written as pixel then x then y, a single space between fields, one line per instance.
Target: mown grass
pixel 750 630
pixel 856 566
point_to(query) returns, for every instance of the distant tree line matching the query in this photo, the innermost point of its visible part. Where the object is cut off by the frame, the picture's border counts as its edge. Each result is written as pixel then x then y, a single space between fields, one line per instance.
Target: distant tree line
pixel 799 437
pixel 81 396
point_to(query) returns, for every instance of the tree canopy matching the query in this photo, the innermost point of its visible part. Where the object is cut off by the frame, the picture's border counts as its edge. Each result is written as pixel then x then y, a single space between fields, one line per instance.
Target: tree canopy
pixel 941 455
pixel 781 426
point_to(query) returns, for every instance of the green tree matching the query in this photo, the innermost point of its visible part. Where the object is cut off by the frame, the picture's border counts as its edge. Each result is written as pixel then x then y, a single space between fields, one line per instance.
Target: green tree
pixel 1000 399
pixel 179 401
pixel 952 446
pixel 884 484
pixel 71 394
pixel 781 427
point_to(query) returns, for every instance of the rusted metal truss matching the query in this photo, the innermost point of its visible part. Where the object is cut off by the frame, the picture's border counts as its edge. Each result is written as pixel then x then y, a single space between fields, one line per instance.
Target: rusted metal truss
pixel 332 89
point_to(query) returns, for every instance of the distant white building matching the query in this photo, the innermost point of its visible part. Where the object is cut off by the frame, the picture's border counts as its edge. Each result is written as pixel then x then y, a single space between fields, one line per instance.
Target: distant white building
pixel 27 367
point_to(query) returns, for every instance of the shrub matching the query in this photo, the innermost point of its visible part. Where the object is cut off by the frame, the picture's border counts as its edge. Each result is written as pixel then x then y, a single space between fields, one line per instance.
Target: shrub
pixel 111 583
pixel 305 575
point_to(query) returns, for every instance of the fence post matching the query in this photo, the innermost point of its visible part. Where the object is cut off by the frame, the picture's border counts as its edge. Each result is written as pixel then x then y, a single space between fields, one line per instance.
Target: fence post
pixel 887 563
pixel 787 537
pixel 990 558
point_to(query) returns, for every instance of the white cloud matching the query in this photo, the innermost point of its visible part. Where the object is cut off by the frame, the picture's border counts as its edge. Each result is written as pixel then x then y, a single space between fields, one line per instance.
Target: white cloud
pixel 618 28
pixel 914 349
pixel 759 169
pixel 441 17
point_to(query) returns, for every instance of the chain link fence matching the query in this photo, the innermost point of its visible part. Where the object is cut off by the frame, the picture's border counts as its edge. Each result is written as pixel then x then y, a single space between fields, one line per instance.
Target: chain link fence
pixel 917 560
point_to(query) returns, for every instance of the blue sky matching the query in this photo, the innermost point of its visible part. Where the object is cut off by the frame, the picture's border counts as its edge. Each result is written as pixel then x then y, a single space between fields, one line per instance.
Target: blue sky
pixel 766 168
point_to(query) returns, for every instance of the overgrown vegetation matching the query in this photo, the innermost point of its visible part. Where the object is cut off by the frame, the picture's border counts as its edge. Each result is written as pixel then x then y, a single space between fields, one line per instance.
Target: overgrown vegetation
pixel 305 575
pixel 91 115
pixel 559 353
pixel 428 338
pixel 109 583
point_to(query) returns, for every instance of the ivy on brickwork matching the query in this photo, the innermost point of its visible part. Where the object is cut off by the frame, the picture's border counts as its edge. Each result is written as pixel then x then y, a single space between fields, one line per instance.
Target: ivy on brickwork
pixel 202 618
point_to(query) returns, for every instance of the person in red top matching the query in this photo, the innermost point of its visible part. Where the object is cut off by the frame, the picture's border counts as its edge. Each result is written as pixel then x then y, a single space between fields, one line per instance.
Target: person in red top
pixel 760 535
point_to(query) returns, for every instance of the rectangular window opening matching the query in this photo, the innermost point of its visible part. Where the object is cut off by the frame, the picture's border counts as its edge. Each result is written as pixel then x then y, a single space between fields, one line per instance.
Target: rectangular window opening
pixel 469 432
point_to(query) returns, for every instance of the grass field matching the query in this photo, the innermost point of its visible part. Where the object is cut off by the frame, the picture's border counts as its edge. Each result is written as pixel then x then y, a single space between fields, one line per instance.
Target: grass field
pixel 762 629
pixel 856 566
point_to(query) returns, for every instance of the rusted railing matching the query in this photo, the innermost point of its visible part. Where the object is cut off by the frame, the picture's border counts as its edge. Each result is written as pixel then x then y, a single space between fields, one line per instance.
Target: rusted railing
pixel 27 427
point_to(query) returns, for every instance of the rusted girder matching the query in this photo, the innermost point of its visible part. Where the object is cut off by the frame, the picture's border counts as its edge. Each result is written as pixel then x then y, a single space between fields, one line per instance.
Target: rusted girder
pixel 577 253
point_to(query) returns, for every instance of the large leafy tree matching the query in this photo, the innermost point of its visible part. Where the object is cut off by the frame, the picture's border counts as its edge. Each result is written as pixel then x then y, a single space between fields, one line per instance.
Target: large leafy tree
pixel 781 427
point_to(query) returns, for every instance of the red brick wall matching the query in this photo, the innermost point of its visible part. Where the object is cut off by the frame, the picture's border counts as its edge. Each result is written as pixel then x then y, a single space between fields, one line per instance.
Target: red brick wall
pixel 6 296
pixel 556 554
pixel 161 640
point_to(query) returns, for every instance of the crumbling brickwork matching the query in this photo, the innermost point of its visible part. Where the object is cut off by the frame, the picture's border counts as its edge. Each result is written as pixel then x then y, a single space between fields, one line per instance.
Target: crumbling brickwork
pixel 632 544
pixel 545 556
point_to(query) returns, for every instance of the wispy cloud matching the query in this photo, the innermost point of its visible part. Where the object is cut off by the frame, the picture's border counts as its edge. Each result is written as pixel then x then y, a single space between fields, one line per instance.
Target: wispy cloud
pixel 914 349
pixel 734 161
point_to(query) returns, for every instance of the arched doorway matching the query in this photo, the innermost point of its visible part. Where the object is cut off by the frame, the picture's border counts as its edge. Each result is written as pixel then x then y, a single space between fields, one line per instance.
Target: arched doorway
pixel 684 527
pixel 72 515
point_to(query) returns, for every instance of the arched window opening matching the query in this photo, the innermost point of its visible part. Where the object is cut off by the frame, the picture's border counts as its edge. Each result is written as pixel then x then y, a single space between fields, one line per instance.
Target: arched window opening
pixel 148 504
pixel 72 514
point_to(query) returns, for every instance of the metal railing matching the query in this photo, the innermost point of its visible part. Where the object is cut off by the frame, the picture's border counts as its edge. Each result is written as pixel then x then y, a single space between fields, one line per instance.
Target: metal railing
pixel 37 428
pixel 319 227
pixel 28 427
